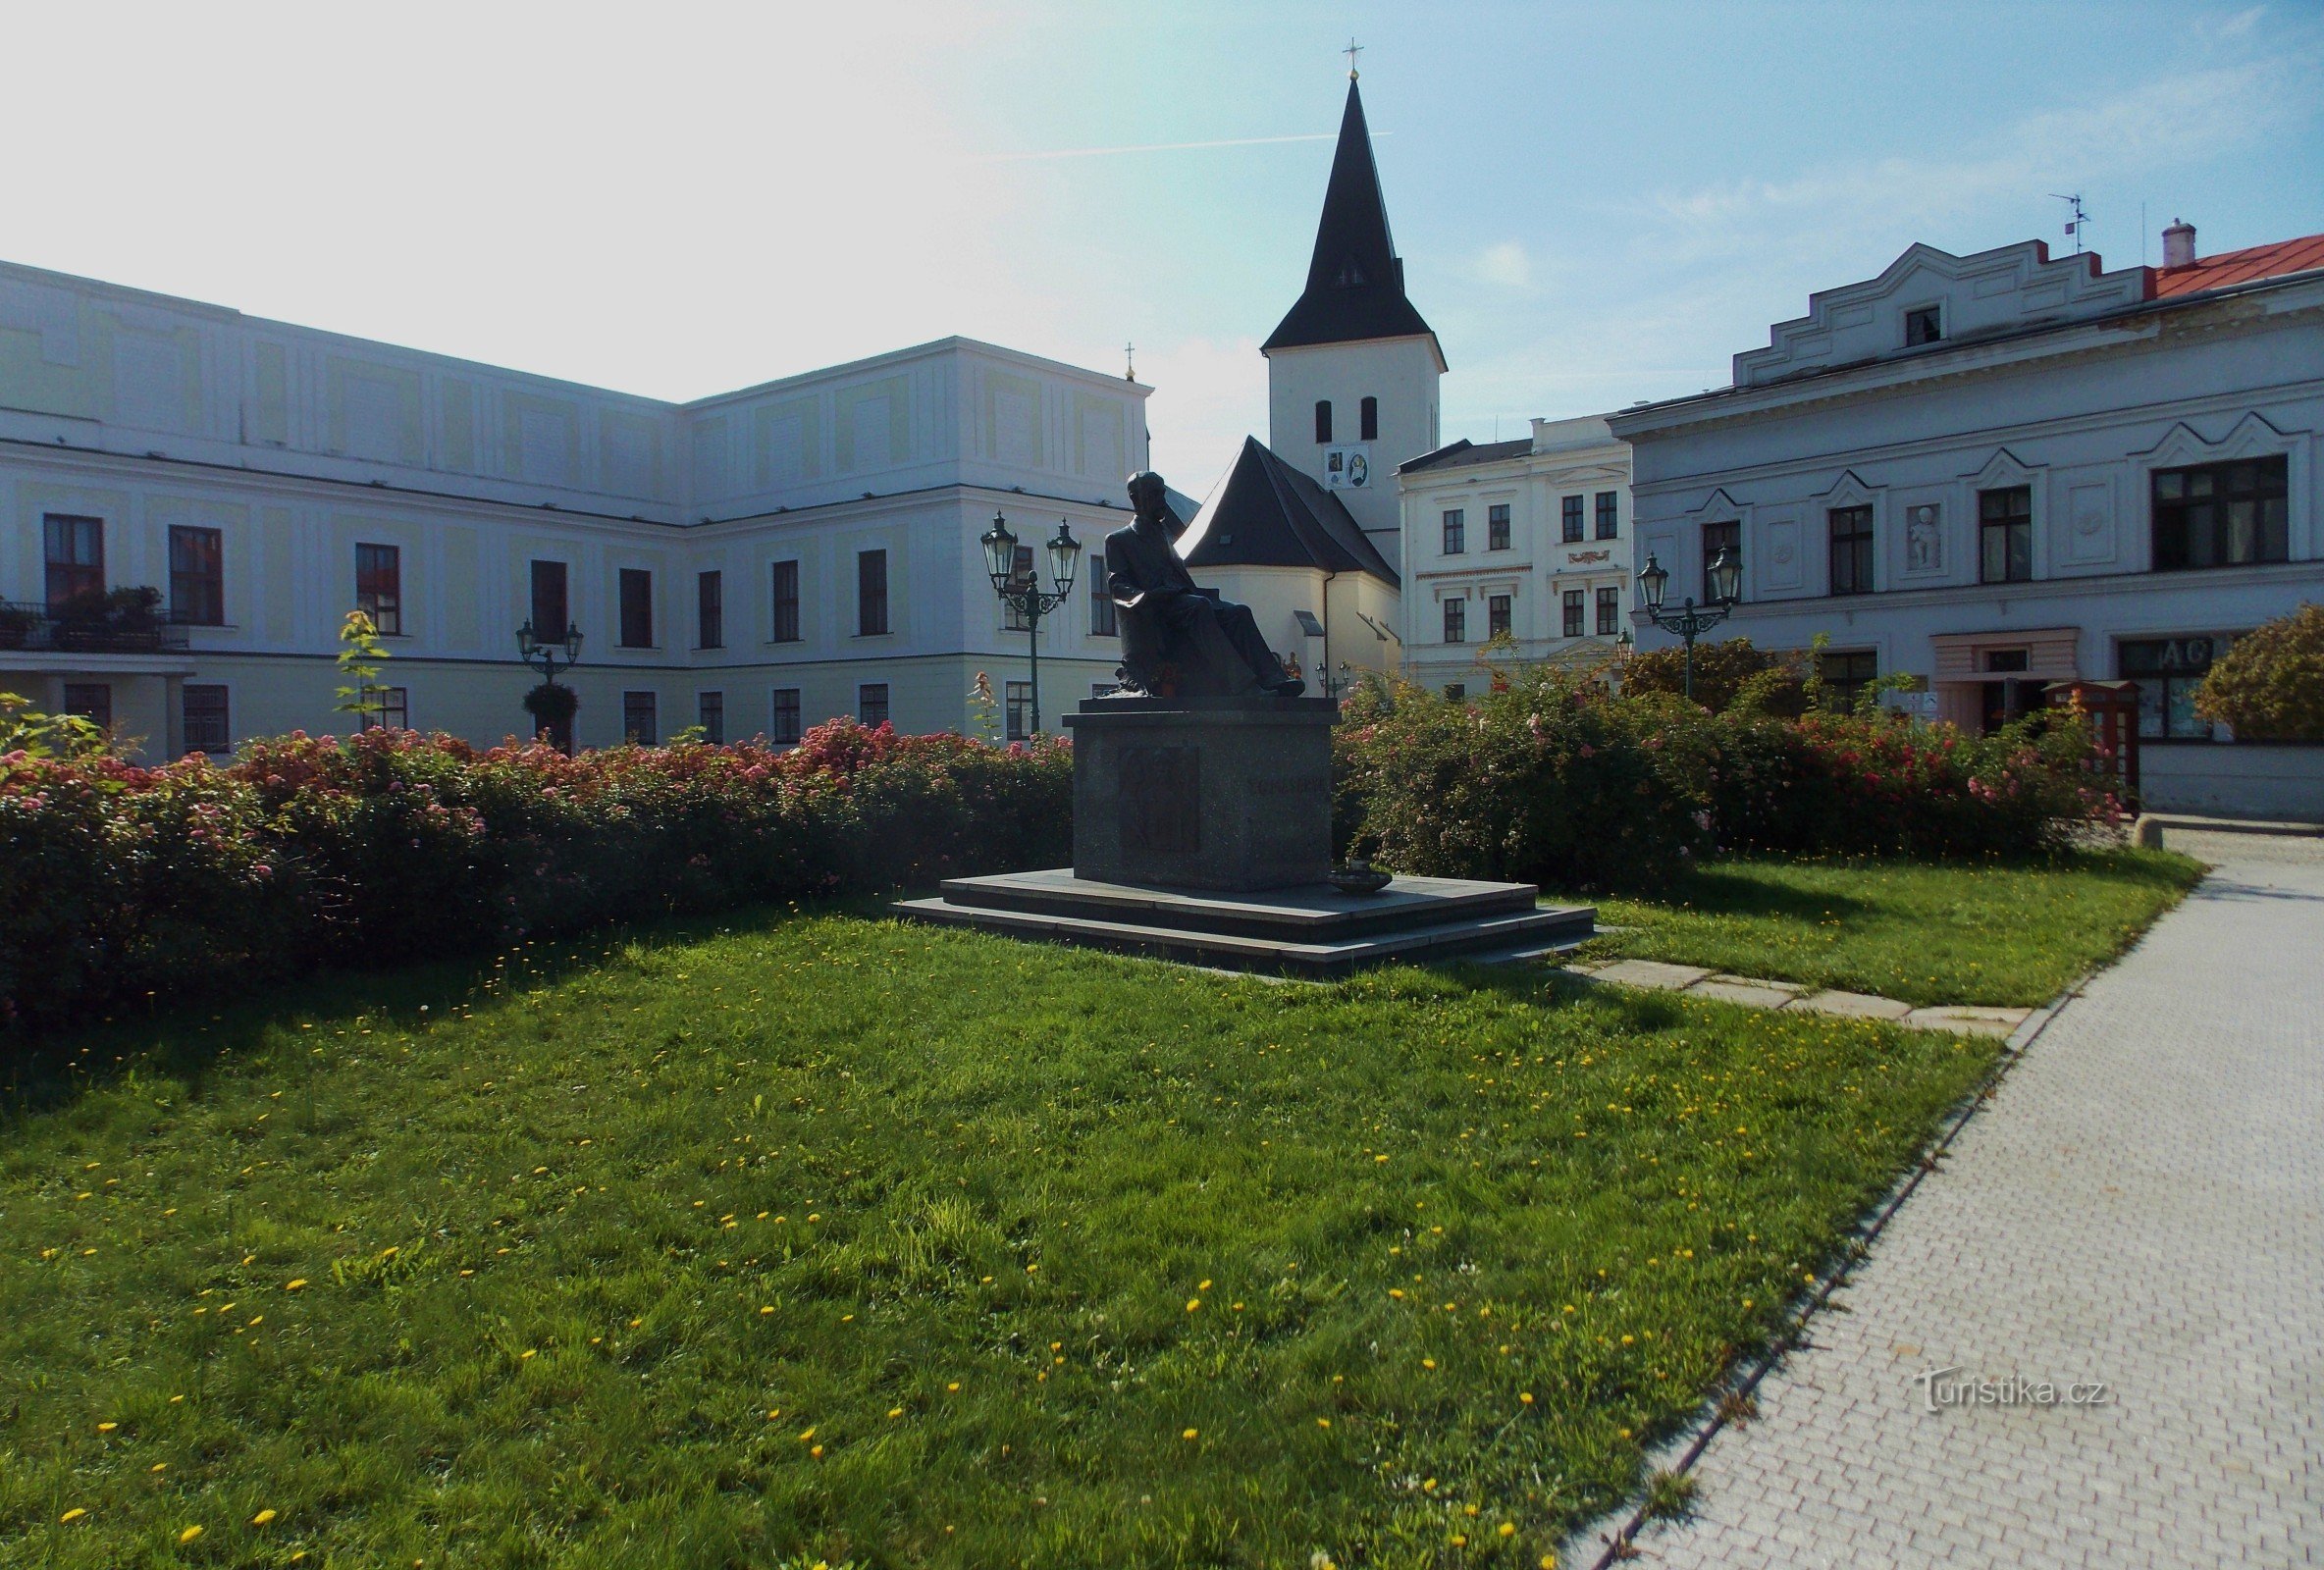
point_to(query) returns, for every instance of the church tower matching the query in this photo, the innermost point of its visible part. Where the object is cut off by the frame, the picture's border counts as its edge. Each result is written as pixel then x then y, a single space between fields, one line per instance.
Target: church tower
pixel 1352 370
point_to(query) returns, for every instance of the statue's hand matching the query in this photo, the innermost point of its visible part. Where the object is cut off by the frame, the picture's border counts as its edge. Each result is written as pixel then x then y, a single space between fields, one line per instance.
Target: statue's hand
pixel 1129 601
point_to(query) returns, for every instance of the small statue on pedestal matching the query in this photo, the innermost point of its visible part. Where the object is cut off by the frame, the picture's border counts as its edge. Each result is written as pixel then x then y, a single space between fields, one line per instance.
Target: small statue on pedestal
pixel 1179 640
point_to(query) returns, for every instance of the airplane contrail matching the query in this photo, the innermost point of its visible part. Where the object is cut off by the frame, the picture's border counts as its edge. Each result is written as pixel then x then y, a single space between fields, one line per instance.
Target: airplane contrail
pixel 1154 148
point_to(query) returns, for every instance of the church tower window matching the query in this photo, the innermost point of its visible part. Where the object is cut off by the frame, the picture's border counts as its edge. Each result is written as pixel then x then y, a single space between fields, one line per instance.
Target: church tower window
pixel 1371 420
pixel 1323 419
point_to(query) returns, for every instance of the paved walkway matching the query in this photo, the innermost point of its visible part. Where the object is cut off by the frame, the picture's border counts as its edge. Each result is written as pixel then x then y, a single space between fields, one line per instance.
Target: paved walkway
pixel 1757 992
pixel 2142 1204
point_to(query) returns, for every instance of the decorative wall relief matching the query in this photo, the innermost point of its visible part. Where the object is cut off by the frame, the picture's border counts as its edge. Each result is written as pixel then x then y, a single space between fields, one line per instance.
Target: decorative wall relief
pixel 1923 538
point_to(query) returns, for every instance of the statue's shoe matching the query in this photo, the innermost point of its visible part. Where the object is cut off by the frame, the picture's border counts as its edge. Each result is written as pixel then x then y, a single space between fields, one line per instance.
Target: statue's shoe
pixel 1289 686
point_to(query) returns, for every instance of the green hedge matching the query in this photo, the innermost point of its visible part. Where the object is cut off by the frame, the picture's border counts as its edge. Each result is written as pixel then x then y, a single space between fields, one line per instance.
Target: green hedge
pixel 119 883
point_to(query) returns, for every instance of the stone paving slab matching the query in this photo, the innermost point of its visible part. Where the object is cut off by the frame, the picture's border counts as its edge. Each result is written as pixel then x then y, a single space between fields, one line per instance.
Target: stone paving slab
pixel 1793 988
pixel 1854 1004
pixel 2141 1204
pixel 1752 994
pixel 1652 973
pixel 1969 1020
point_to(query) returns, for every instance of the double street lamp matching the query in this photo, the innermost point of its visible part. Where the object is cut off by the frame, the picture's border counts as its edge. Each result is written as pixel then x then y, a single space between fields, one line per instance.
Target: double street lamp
pixel 1723 581
pixel 1021 591
pixel 550 705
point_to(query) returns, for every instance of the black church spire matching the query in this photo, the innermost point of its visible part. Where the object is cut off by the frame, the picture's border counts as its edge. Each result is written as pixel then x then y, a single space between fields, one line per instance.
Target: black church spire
pixel 1355 281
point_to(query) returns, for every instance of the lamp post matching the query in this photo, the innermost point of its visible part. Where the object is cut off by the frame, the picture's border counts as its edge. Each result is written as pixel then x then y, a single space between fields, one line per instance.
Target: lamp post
pixel 534 650
pixel 1022 591
pixel 1723 582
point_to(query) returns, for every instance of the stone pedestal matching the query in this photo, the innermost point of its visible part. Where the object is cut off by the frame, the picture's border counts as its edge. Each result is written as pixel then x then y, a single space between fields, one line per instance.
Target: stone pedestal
pixel 1225 794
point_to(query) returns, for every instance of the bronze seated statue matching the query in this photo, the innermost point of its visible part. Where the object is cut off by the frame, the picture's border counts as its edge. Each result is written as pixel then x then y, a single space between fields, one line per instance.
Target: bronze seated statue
pixel 1180 640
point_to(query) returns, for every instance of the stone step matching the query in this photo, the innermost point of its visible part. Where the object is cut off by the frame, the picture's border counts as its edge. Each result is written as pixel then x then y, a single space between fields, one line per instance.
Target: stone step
pixel 1308 915
pixel 1495 934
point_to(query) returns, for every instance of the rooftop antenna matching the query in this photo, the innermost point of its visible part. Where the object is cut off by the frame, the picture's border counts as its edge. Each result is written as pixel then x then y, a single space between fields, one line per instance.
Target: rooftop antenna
pixel 2076 223
pixel 1351 51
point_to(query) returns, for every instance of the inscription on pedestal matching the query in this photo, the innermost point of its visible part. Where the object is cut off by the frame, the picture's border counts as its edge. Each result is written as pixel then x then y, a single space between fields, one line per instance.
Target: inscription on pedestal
pixel 1160 800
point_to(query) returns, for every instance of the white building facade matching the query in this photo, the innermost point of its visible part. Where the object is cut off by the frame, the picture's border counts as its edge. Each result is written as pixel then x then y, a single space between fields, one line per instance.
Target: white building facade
pixel 1996 471
pixel 754 562
pixel 1530 538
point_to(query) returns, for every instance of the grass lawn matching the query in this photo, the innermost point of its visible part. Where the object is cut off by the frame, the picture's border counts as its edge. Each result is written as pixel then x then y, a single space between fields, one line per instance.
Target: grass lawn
pixel 813 1238
pixel 2009 936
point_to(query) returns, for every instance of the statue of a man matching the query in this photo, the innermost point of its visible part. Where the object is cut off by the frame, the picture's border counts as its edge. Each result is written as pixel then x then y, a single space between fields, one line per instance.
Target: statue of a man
pixel 1179 640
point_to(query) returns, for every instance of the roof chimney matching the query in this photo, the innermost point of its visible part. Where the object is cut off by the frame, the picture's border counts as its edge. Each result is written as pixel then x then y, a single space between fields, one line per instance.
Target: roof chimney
pixel 2179 244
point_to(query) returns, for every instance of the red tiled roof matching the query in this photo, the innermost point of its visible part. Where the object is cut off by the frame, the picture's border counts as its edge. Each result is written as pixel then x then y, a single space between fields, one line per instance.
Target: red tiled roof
pixel 2241 267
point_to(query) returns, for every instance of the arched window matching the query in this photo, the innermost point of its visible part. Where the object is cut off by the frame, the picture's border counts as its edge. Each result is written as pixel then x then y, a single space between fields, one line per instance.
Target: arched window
pixel 1323 419
pixel 1371 420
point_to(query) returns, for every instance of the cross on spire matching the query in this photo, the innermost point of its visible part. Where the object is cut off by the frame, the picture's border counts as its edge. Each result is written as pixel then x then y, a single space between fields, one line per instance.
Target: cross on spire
pixel 1129 361
pixel 1351 51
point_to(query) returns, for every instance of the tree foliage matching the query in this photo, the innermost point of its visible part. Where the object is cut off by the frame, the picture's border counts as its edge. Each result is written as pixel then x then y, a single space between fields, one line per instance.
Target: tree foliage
pixel 2270 684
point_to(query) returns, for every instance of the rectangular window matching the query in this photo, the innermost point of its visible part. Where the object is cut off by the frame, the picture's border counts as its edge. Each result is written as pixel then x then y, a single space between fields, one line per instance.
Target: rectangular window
pixel 1455 531
pixel 390 710
pixel 1609 515
pixel 1020 571
pixel 1923 326
pixel 786 602
pixel 637 609
pixel 1020 699
pixel 2005 535
pixel 639 723
pixel 1717 537
pixel 1851 550
pixel 1569 520
pixel 2168 670
pixel 75 549
pixel 785 727
pixel 197 576
pixel 202 706
pixel 1609 612
pixel 552 611
pixel 1496 527
pixel 710 609
pixel 1571 622
pixel 871 702
pixel 1496 615
pixel 1102 623
pixel 2221 514
pixel 1370 420
pixel 872 593
pixel 379 588
pixel 1456 620
pixel 1847 674
pixel 710 712
pixel 1455 691
pixel 90 701
pixel 1323 420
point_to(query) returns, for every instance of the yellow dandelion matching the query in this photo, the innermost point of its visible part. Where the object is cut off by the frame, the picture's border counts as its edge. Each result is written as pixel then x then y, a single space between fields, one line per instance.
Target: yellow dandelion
pixel 895 1411
pixel 1203 1287
pixel 1189 1434
pixel 294 1285
pixel 527 1353
pixel 189 1534
pixel 953 1386
pixel 71 1516
pixel 107 1428
pixel 1527 1397
pixel 1322 1422
pixel 1194 1303
pixel 767 1308
pixel 815 1450
pixel 1509 1529
pixel 262 1518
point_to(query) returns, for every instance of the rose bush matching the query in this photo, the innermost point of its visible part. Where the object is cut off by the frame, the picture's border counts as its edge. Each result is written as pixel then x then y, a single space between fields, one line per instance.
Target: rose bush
pixel 116 881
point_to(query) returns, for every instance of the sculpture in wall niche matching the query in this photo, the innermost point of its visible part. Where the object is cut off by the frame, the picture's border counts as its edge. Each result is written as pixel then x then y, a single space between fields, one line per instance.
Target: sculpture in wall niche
pixel 1180 640
pixel 1923 538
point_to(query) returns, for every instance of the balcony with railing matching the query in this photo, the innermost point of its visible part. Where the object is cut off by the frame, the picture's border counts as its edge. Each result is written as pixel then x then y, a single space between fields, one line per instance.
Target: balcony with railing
pixel 121 621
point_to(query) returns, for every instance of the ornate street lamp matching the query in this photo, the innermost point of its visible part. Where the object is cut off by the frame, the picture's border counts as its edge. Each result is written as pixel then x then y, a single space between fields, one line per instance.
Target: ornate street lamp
pixel 551 711
pixel 1022 591
pixel 1723 580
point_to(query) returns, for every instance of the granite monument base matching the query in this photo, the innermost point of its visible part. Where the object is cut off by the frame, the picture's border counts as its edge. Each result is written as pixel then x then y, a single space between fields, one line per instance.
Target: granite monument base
pixel 1232 794
pixel 1202 832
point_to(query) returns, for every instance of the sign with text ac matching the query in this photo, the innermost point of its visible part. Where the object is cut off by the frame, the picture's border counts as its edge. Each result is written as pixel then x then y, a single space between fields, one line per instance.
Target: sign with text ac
pixel 1348 468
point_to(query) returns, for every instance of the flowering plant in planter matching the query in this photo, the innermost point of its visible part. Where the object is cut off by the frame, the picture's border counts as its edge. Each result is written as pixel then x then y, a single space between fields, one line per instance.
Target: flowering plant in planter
pixel 552 703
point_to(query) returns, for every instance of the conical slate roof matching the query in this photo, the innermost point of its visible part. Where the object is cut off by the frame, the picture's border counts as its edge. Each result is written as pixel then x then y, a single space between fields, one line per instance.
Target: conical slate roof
pixel 1269 514
pixel 1355 282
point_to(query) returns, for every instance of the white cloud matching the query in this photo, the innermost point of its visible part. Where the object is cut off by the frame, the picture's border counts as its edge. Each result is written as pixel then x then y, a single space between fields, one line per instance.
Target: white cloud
pixel 1506 264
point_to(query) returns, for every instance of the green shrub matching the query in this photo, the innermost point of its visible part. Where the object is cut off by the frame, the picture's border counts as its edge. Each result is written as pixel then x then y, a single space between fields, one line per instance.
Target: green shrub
pixel 1774 678
pixel 2270 684
pixel 1557 783
pixel 117 882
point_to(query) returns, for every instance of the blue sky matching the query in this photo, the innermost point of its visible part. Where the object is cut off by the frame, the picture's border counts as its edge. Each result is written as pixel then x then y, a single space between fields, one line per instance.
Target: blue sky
pixel 1596 204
